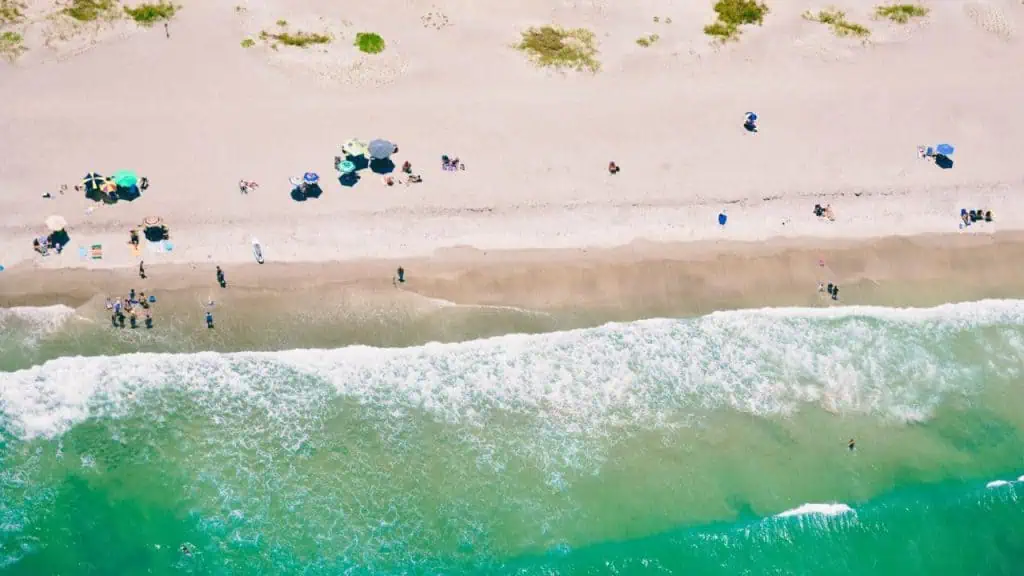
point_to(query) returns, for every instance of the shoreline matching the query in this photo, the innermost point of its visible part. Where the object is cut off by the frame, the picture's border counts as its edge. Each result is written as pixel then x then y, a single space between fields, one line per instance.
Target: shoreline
pixel 783 271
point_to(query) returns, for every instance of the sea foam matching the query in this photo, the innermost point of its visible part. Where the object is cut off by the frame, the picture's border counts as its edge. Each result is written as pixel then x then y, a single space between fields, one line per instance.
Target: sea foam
pixel 831 509
pixel 897 364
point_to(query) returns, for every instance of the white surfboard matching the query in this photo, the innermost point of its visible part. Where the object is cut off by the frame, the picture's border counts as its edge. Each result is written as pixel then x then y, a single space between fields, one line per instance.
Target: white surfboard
pixel 257 251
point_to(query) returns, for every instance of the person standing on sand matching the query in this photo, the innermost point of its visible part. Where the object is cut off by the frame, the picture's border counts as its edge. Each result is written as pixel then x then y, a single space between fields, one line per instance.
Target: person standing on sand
pixel 142 270
pixel 220 278
pixel 167 31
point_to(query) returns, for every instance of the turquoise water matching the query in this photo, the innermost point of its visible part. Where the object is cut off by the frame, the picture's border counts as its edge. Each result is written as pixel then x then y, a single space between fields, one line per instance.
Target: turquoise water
pixel 711 445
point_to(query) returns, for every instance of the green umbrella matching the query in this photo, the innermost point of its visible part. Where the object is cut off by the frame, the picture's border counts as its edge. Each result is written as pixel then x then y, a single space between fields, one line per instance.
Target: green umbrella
pixel 125 178
pixel 346 167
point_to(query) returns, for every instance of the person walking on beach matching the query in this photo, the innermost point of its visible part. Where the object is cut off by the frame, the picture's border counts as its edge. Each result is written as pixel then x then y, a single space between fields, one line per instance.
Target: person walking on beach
pixel 209 320
pixel 167 31
pixel 220 278
pixel 142 270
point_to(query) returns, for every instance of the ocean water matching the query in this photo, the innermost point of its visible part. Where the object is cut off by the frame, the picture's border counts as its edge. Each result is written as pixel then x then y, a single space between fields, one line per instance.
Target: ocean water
pixel 709 445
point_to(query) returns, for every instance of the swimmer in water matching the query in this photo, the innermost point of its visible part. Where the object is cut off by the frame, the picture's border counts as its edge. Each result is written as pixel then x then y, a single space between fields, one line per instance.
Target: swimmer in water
pixel 185 550
pixel 851 445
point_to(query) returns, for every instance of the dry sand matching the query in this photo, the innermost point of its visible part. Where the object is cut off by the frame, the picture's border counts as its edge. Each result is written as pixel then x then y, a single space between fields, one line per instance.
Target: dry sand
pixel 840 122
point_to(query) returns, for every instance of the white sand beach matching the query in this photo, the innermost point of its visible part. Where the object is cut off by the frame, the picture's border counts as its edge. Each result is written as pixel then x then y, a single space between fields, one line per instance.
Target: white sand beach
pixel 840 122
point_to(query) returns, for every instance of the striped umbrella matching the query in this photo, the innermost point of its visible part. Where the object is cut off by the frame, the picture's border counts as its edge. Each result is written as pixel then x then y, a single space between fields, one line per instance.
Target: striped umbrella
pixel 93 180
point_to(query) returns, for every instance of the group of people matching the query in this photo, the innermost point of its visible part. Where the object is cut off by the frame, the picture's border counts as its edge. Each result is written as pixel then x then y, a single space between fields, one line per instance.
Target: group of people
pixel 824 211
pixel 128 307
pixel 831 288
pixel 971 216
pixel 451 164
pixel 55 242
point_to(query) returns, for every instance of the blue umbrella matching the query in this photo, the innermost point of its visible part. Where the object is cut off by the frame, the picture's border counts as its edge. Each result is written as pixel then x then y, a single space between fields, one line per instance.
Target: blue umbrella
pixel 310 177
pixel 750 117
pixel 381 149
pixel 944 149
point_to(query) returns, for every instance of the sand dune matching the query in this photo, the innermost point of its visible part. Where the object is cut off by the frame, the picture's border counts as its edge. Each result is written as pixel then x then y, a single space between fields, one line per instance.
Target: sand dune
pixel 840 122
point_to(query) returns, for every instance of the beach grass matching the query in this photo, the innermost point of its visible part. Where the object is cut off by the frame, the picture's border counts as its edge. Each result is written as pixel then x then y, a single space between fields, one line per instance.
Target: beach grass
pixel 148 14
pixel 248 43
pixel 836 19
pixel 554 47
pixel 298 38
pixel 901 13
pixel 369 42
pixel 11 45
pixel 282 23
pixel 11 12
pixel 735 13
pixel 647 41
pixel 90 10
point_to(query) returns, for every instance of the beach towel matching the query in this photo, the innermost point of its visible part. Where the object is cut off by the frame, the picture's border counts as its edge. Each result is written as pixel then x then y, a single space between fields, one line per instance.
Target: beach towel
pixel 168 246
pixel 97 251
pixel 83 254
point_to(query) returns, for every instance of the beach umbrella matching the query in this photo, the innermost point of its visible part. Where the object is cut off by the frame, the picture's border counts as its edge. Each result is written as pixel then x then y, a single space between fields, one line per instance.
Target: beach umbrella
pixel 56 222
pixel 381 149
pixel 944 149
pixel 354 148
pixel 109 186
pixel 310 177
pixel 92 180
pixel 346 167
pixel 125 178
pixel 750 117
pixel 153 221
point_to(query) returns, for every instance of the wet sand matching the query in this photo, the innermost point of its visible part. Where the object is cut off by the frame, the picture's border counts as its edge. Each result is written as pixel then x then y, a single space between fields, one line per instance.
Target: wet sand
pixel 465 293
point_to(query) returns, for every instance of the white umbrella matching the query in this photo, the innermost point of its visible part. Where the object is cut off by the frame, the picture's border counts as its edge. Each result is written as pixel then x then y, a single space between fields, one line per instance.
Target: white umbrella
pixel 381 149
pixel 55 223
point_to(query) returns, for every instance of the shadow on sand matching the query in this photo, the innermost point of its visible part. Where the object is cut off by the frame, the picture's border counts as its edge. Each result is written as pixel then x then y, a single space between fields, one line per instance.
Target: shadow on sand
pixel 349 180
pixel 944 162
pixel 385 166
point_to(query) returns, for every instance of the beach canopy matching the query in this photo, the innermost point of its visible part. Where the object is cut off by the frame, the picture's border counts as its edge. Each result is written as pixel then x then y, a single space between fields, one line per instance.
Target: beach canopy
pixel 944 149
pixel 310 177
pixel 153 221
pixel 55 222
pixel 381 149
pixel 346 167
pixel 354 148
pixel 125 178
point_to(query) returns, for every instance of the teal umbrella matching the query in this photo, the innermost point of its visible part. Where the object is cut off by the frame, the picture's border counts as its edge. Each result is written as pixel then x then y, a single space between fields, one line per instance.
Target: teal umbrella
pixel 125 178
pixel 346 167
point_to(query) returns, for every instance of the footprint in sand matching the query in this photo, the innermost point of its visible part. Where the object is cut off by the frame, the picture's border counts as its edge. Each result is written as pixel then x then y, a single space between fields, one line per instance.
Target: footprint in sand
pixel 990 19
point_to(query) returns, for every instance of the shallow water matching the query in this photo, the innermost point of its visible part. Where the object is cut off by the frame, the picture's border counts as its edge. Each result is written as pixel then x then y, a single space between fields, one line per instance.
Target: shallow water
pixel 668 446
